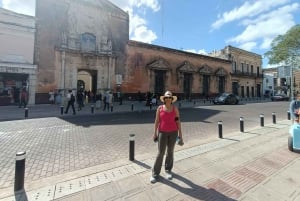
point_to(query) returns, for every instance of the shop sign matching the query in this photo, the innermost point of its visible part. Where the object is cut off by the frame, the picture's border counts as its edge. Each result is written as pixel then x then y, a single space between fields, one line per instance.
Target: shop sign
pixel 9 70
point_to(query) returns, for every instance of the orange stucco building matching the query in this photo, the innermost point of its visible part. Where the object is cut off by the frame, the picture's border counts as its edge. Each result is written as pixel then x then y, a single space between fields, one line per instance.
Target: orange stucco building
pixel 156 69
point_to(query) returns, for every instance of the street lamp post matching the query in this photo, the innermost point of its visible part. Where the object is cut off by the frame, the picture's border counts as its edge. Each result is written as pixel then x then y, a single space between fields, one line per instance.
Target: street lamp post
pixel 292 81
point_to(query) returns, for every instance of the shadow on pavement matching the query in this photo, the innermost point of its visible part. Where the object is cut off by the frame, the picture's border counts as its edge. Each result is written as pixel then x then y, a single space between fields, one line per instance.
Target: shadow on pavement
pixel 196 191
pixel 144 117
pixel 144 165
pixel 21 195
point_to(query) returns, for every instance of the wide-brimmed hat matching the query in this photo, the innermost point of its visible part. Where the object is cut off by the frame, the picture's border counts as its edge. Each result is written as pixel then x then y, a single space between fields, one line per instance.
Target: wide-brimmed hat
pixel 168 94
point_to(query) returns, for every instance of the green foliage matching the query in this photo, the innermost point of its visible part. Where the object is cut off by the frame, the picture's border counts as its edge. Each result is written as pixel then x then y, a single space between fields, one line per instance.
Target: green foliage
pixel 285 48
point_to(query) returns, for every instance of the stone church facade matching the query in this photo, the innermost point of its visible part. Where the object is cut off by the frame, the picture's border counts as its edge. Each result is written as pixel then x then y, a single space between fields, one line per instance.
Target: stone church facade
pixel 79 44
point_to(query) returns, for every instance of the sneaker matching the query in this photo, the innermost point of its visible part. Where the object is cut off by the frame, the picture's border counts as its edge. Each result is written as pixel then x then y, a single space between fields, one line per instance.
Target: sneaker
pixel 152 179
pixel 169 175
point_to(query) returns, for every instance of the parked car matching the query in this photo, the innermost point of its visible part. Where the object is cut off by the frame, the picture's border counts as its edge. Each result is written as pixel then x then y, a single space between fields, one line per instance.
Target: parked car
pixel 226 98
pixel 280 97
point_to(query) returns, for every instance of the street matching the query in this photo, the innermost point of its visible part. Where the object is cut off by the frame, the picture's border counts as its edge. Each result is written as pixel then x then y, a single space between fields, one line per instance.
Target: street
pixel 57 145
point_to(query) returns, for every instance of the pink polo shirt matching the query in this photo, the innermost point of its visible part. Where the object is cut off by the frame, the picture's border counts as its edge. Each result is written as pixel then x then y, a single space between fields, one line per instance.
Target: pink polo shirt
pixel 167 121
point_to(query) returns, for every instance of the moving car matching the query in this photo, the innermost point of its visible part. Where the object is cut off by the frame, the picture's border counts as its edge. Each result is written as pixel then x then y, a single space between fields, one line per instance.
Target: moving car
pixel 226 98
pixel 280 97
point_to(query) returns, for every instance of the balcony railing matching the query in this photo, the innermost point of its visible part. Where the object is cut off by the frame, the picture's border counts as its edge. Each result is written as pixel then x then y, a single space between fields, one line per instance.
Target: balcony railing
pixel 246 74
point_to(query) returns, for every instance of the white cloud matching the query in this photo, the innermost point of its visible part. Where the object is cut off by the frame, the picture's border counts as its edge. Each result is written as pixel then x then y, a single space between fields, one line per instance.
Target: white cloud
pixel 138 29
pixel 248 46
pixel 142 33
pixel 24 7
pixel 248 9
pixel 202 51
pixel 266 27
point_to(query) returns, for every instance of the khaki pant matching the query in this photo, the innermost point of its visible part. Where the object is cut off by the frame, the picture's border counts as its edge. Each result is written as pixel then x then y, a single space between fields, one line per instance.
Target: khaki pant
pixel 165 141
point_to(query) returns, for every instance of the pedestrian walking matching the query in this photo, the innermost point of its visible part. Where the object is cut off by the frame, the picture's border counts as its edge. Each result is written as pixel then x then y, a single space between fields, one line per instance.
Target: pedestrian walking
pixel 110 101
pixel 51 97
pixel 71 101
pixel 23 98
pixel 80 99
pixel 98 99
pixel 105 101
pixel 167 129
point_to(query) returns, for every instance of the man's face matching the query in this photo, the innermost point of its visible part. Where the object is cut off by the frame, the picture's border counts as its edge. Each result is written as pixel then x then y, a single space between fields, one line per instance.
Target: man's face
pixel 298 97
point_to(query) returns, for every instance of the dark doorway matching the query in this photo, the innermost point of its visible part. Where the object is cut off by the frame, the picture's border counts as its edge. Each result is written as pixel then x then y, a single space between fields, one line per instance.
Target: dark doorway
pixel 205 85
pixel 159 85
pixel 187 82
pixel 86 76
pixel 242 91
pixel 221 84
pixel 235 87
pixel 81 85
pixel 258 90
pixel 248 91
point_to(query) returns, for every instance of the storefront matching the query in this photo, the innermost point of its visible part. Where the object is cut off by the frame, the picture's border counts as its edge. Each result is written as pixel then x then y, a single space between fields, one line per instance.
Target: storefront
pixel 14 78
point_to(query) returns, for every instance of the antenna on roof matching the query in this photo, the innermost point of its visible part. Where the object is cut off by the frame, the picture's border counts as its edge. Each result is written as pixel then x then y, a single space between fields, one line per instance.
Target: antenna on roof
pixel 162 21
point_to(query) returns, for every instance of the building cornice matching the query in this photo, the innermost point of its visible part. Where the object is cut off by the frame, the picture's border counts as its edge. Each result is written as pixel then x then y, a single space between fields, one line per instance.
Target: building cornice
pixel 174 51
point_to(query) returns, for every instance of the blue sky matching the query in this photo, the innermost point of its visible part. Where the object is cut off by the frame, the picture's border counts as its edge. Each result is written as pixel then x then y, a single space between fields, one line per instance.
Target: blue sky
pixel 201 26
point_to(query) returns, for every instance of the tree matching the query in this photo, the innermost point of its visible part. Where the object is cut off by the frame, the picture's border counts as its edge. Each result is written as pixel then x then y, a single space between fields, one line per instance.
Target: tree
pixel 285 48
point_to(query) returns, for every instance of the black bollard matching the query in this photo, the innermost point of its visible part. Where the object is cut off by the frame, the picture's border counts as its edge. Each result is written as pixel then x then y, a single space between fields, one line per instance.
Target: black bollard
pixel 242 124
pixel 61 109
pixel 220 129
pixel 262 120
pixel 288 115
pixel 179 104
pixel 150 106
pixel 131 147
pixel 132 107
pixel 274 117
pixel 92 109
pixel 20 171
pixel 26 112
pixel 194 102
pixel 112 108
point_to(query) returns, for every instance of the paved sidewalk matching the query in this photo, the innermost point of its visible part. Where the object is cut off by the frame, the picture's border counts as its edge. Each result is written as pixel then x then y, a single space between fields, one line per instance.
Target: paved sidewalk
pixel 251 166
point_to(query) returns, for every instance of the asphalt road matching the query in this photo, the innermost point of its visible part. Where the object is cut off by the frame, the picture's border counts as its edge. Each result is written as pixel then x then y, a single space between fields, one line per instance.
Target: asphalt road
pixel 57 145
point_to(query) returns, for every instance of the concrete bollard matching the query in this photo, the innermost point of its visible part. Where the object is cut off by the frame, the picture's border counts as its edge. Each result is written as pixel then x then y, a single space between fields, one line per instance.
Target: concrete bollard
pixel 20 171
pixel 26 112
pixel 131 147
pixel 220 129
pixel 274 117
pixel 241 124
pixel 288 115
pixel 92 109
pixel 262 120
pixel 61 109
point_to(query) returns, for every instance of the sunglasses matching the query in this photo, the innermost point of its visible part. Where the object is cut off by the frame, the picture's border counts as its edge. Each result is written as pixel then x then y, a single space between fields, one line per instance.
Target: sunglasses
pixel 168 98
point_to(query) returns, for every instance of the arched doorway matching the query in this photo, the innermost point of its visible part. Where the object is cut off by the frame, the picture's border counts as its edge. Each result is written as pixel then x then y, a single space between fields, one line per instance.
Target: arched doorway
pixel 87 80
